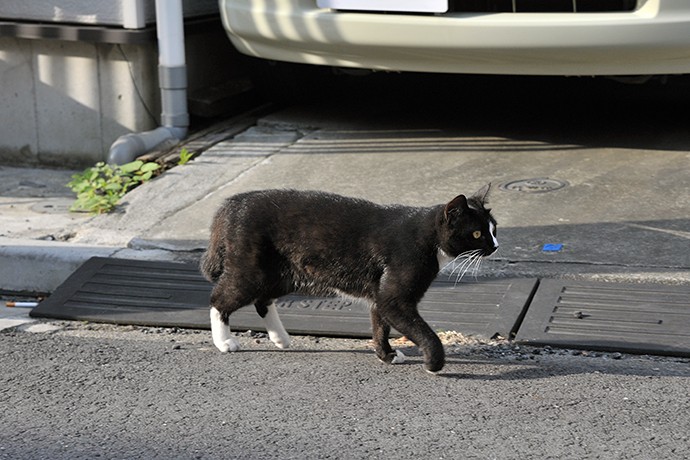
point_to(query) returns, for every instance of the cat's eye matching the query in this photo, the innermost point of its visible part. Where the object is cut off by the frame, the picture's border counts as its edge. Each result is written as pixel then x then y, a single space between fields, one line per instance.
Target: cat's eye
pixel 476 234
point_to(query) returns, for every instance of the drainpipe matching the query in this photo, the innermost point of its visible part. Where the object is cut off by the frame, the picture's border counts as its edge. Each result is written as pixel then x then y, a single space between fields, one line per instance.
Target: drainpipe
pixel 133 14
pixel 172 78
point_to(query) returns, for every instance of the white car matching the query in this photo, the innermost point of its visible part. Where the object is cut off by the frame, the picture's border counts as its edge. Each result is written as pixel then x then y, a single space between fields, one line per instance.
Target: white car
pixel 515 37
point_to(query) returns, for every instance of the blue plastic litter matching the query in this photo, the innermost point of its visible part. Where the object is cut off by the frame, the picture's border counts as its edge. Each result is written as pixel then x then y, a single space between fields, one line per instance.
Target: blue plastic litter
pixel 552 247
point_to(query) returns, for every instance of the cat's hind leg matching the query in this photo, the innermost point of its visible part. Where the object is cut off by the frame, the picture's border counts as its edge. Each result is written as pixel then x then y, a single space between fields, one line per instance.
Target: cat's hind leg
pixel 226 298
pixel 221 333
pixel 381 330
pixel 276 331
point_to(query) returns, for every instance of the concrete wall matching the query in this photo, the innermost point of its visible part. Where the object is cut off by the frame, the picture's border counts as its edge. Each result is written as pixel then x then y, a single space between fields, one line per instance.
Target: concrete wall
pixel 64 103
pixel 103 12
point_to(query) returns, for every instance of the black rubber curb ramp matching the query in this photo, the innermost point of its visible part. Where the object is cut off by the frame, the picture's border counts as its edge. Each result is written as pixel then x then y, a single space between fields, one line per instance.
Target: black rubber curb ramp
pixel 168 294
pixel 636 318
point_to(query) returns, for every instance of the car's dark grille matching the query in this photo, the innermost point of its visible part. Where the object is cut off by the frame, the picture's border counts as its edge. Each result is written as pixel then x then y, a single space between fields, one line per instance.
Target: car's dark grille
pixel 540 6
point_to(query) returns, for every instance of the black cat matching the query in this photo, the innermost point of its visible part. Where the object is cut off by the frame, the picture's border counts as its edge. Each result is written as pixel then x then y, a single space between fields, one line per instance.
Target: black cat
pixel 267 244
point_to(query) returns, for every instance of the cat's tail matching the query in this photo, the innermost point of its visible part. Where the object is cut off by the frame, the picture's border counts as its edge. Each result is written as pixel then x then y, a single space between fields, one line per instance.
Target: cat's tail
pixel 213 259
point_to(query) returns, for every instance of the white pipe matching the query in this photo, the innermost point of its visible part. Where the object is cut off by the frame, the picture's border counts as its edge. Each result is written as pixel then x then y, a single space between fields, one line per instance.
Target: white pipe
pixel 129 146
pixel 170 33
pixel 173 84
pixel 133 16
pixel 171 63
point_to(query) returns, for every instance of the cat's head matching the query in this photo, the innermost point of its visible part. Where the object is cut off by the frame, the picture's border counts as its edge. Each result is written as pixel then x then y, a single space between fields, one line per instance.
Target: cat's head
pixel 468 225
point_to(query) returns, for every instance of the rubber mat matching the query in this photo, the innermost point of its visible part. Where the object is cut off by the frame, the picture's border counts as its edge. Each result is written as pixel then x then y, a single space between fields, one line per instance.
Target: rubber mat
pixel 171 294
pixel 635 318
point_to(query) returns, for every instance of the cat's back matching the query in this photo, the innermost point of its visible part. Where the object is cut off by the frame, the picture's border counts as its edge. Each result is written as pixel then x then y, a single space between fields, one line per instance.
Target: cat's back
pixel 305 215
pixel 293 204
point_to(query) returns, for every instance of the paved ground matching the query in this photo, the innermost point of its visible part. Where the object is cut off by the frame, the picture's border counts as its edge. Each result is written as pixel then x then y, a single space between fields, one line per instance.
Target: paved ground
pixel 86 390
pixel 96 391
pixel 622 216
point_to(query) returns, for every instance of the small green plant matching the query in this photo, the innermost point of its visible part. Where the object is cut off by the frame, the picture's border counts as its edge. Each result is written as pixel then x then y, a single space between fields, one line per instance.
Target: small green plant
pixel 101 187
pixel 185 156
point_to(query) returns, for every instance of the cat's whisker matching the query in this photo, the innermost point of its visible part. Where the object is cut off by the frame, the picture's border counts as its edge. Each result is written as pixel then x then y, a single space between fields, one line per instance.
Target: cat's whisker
pixel 460 256
pixel 477 265
pixel 467 256
pixel 462 270
pixel 472 260
pixel 462 273
pixel 461 260
pixel 452 263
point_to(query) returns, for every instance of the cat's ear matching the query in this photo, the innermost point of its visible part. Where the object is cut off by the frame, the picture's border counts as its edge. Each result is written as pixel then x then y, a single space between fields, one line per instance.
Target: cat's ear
pixel 482 195
pixel 456 205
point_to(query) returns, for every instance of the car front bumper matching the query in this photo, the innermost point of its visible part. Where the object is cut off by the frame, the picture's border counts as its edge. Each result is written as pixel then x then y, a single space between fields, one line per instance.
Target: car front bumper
pixel 653 39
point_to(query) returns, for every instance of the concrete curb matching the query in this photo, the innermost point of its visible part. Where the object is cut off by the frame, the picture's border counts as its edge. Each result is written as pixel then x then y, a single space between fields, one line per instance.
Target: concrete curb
pixel 41 266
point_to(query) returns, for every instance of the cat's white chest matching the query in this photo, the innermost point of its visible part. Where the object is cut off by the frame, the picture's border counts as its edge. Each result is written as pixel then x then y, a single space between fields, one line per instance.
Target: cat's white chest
pixel 443 259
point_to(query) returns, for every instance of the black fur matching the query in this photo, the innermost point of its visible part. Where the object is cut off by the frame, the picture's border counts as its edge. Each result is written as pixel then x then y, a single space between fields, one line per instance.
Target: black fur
pixel 267 244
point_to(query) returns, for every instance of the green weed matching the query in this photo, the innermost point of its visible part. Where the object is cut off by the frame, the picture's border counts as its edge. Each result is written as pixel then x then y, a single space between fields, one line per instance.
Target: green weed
pixel 185 156
pixel 101 187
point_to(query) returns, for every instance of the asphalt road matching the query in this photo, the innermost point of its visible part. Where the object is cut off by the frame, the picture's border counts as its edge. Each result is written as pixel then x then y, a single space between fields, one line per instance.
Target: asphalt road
pixel 96 391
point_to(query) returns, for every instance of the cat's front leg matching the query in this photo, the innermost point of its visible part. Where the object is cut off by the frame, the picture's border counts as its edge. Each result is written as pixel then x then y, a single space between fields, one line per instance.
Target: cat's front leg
pixel 407 321
pixel 221 333
pixel 276 331
pixel 381 330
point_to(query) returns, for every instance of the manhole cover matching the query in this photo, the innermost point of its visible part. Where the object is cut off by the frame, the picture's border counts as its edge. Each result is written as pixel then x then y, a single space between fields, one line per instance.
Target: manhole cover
pixel 53 206
pixel 536 185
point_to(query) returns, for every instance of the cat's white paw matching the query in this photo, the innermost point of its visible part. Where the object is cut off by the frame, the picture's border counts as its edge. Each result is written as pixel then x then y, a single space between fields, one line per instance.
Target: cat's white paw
pixel 231 344
pixel 281 341
pixel 221 333
pixel 399 357
pixel 275 329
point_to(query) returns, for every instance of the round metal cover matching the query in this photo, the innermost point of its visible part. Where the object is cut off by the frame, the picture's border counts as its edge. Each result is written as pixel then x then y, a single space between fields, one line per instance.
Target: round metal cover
pixel 536 185
pixel 53 206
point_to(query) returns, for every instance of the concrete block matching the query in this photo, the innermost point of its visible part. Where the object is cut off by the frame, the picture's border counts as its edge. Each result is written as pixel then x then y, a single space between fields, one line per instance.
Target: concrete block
pixel 41 266
pixel 103 12
pixel 63 103
pixel 67 102
pixel 18 140
pixel 129 94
